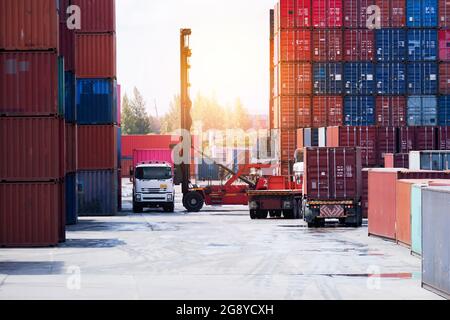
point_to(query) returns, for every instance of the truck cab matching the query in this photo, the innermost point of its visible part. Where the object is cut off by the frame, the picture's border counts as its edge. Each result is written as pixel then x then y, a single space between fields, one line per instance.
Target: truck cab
pixel 153 186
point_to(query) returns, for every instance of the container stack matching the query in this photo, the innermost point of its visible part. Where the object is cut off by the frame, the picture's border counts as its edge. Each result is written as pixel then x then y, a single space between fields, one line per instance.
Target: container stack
pixel 32 130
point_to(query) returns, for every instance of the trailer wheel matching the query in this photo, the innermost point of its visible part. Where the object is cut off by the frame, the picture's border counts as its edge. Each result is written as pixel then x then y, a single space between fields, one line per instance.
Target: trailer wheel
pixel 262 214
pixel 193 202
pixel 253 215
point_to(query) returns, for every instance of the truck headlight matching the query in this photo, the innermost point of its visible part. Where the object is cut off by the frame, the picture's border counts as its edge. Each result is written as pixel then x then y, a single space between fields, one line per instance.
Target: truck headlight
pixel 170 197
pixel 138 197
pixel 253 205
pixel 287 205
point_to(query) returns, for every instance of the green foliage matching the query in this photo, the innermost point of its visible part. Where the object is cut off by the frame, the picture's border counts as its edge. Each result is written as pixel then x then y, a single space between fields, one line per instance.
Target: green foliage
pixel 172 120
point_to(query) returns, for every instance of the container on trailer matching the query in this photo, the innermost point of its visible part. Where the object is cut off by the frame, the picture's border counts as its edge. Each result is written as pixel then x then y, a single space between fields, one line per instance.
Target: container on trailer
pixel 393 13
pixel 97 193
pixel 426 138
pixel 152 155
pixel 294 112
pixel 96 101
pixel 359 111
pixel 98 15
pixel 422 45
pixel 293 45
pixel 292 14
pixel 71 199
pixel 391 78
pixel 295 78
pixel 355 13
pixel 396 160
pixel 422 111
pixel 436 237
pixel 327 45
pixel 421 13
pixel 97 147
pixel 28 26
pixel 71 147
pixel 22 89
pixel 387 142
pixel 359 78
pixel 33 220
pixel 444 45
pixel 422 78
pixel 327 111
pixel 132 142
pixel 406 139
pixel 95 55
pixel 327 13
pixel 391 45
pixel 32 149
pixel 359 45
pixel 328 78
pixel 444 78
pixel 70 113
pixel 429 160
pixel 67 46
pixel 391 111
pixel 333 173
pixel 443 138
pixel 444 16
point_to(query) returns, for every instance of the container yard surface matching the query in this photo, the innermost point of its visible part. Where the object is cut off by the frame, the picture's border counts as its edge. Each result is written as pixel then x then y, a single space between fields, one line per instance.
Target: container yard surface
pixel 216 254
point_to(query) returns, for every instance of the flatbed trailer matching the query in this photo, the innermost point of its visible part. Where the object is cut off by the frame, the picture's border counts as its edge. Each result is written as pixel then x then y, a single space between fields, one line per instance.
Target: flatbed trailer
pixel 275 203
pixel 347 211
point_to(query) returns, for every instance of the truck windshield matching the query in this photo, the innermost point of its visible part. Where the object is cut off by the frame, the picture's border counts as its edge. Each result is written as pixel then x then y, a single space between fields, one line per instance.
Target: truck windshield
pixel 148 173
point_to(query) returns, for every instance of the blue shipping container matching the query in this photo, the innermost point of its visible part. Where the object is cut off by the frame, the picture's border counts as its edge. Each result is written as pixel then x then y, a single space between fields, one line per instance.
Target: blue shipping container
pixel 444 111
pixel 208 171
pixel 359 78
pixel 423 78
pixel 327 78
pixel 422 111
pixel 97 193
pixel 96 101
pixel 71 199
pixel 359 111
pixel 390 44
pixel 70 97
pixel 422 13
pixel 391 78
pixel 422 45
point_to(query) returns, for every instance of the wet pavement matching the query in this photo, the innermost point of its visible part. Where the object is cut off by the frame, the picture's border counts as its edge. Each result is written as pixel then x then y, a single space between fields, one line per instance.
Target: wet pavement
pixel 216 254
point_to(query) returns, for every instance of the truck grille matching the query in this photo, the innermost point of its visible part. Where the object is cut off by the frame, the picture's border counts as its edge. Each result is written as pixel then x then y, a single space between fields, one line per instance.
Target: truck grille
pixel 153 190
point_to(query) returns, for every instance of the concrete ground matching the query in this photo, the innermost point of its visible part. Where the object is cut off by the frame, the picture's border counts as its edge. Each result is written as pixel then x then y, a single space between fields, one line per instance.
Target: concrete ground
pixel 216 254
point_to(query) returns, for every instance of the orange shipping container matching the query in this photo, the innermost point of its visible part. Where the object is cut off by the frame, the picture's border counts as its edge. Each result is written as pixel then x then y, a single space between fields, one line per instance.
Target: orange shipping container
pixel 95 55
pixel 294 78
pixel 293 112
pixel 288 144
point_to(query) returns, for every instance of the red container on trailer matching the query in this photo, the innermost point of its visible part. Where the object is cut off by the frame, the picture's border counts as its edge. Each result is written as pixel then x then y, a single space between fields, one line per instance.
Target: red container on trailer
pixel 132 142
pixel 444 44
pixel 443 138
pixel 98 15
pixel 387 142
pixel 71 147
pixel 444 13
pixel 67 46
pixel 293 112
pixel 444 78
pixel 359 45
pixel 327 45
pixel 97 147
pixel 23 91
pixel 407 139
pixel 152 155
pixel 287 144
pixel 31 214
pixel 32 149
pixel 391 111
pixel 293 13
pixel 294 45
pixel 425 139
pixel 328 111
pixel 95 55
pixel 355 13
pixel 327 13
pixel 333 173
pixel 29 25
pixel 295 78
pixel 393 13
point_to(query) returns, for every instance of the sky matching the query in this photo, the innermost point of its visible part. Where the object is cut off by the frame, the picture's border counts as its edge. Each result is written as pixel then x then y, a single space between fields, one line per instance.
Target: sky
pixel 230 47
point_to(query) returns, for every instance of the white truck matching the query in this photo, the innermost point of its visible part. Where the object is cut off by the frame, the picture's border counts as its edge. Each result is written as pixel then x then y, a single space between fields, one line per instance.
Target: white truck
pixel 153 186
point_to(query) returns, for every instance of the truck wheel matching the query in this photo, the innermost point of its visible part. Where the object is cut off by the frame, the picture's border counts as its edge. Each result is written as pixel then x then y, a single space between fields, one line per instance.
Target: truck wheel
pixel 261 214
pixel 193 202
pixel 253 215
pixel 289 214
pixel 170 208
pixel 137 208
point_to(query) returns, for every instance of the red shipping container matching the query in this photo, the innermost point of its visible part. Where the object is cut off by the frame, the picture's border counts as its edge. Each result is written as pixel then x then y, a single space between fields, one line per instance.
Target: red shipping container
pixel 327 111
pixel 31 214
pixel 119 105
pixel 393 13
pixel 28 83
pixel 67 46
pixel 32 149
pixel 391 111
pixel 425 139
pixel 327 45
pixel 365 193
pixel 444 138
pixel 327 13
pixel 444 78
pixel 359 45
pixel 333 173
pixel 97 15
pixel 407 139
pixel 387 142
pixel 355 13
pixel 292 14
pixel 397 160
pixel 126 166
pixel 444 13
pixel 28 25
pixel 286 168
pixel 287 144
pixel 293 112
pixel 95 55
pixel 132 142
pixel 293 45
pixel 444 45
pixel 97 147
pixel 71 147
pixel 295 78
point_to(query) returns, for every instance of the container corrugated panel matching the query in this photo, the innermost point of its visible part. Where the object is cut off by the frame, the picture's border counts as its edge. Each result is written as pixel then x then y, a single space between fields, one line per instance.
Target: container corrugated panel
pixel 328 78
pixel 430 160
pixel 444 78
pixel 444 111
pixel 132 142
pixel 292 14
pixel 444 13
pixel 422 111
pixel 365 193
pixel 29 25
pixel 416 218
pixel 67 46
pixel 126 165
pixel 295 78
pixel 207 171
pixel 295 112
pixel 152 155
pixel 287 144
pixel 97 147
pixel 119 104
pixel 422 78
pixel 391 45
pixel 359 78
pixel 328 111
pixel 327 13
pixel 30 214
pixel 29 84
pixel 359 111
pixel 355 13
pixel 119 147
pixel 444 44
pixel 426 138
pixel 391 111
pixel 98 15
pixel 443 138
pixel 293 45
pixel 422 45
pixel 70 113
pixel 393 13
pixel 71 147
pixel 325 176
pixel 96 101
pixel 391 78
pixel 71 199
pixel 387 142
pixel 406 139
pixel 327 45
pixel 436 237
pixel 32 149
pixel 97 193
pixel 422 13
pixel 119 190
pixel 95 55
pixel 359 45
pixel 61 87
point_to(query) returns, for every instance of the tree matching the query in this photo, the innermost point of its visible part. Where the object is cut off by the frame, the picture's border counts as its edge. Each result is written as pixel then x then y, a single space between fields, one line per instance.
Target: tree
pixel 172 120
pixel 241 117
pixel 135 119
